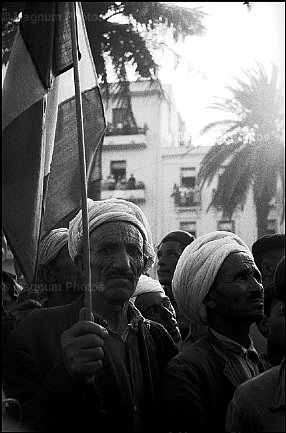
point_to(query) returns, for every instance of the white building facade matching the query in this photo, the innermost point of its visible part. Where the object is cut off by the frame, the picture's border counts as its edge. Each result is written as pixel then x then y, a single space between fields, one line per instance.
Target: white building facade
pixel 165 165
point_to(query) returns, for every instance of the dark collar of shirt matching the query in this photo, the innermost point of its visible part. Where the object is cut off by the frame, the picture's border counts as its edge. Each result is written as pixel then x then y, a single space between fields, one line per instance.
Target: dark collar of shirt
pixel 241 363
pixel 233 348
pixel 134 317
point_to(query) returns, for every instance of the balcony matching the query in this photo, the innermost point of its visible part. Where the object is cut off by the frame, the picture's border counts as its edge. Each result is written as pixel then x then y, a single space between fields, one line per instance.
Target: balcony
pixel 124 136
pixel 186 197
pixel 135 194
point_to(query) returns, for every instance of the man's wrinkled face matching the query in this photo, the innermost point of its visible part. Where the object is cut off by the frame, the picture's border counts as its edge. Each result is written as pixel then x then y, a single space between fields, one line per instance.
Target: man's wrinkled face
pixel 157 307
pixel 168 255
pixel 116 257
pixel 64 270
pixel 237 290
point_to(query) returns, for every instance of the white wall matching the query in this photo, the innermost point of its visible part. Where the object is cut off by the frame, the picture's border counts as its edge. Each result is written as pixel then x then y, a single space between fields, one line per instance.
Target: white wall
pixel 158 166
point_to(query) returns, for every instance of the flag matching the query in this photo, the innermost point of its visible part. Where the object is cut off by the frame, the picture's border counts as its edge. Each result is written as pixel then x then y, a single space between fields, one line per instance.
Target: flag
pixel 63 198
pixel 39 151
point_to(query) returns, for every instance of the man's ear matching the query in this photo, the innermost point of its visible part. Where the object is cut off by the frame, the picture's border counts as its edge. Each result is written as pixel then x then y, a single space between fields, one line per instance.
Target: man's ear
pixel 263 326
pixel 78 261
pixel 209 301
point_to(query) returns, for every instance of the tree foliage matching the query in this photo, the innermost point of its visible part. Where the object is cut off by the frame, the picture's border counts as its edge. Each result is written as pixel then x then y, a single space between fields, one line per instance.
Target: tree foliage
pixel 116 32
pixel 250 150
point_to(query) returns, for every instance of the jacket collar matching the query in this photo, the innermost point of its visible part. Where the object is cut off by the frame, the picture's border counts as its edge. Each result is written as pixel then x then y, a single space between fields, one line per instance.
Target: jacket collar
pixel 278 401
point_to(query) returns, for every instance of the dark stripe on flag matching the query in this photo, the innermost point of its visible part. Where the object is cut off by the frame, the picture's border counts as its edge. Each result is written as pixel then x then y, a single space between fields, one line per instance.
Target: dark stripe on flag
pixel 22 154
pixel 64 192
pixel 45 29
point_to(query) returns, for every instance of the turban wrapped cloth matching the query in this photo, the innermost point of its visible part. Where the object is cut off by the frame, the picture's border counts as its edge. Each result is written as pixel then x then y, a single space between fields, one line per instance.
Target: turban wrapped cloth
pixel 51 244
pixel 103 211
pixel 197 268
pixel 146 285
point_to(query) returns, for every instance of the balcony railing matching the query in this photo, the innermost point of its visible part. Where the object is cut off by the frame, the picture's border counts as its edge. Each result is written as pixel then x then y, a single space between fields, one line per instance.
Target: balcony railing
pixel 186 197
pixel 121 129
pixel 135 193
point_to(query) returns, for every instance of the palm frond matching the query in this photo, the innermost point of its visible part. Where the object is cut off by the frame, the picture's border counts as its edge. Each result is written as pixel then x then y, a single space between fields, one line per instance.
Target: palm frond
pixel 234 183
pixel 213 161
pixel 256 101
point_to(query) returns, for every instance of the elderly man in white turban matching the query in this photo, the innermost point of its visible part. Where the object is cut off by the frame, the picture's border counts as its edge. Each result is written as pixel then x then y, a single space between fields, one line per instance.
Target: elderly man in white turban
pixel 72 374
pixel 152 302
pixel 57 273
pixel 58 281
pixel 216 283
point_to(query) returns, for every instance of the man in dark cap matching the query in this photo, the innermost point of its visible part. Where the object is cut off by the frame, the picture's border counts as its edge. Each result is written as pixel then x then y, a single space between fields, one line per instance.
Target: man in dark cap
pixel 169 251
pixel 259 404
pixel 272 327
pixel 267 252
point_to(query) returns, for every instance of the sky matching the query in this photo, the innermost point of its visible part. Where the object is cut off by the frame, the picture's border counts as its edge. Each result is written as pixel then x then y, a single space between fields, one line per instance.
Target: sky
pixel 234 39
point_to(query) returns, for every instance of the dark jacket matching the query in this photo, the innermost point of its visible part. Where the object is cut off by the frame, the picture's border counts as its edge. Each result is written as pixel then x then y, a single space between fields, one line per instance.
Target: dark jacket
pixel 34 373
pixel 198 386
pixel 258 405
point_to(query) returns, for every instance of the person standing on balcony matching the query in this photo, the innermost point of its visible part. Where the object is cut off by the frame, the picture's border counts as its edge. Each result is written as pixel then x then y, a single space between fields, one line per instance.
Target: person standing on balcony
pixel 121 183
pixel 131 184
pixel 176 194
pixel 110 182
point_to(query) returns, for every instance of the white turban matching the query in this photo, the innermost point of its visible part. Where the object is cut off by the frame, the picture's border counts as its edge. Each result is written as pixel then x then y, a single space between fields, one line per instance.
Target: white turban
pixel 51 244
pixel 146 285
pixel 197 268
pixel 103 211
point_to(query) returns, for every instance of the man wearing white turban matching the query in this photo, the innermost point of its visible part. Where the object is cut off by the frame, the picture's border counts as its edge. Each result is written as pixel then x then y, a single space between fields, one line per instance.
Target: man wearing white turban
pixel 152 302
pixel 216 283
pixel 57 271
pixel 58 281
pixel 107 372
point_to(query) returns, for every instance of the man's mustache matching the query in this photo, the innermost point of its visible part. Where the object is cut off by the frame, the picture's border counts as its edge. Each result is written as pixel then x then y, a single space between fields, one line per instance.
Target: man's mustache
pixel 128 275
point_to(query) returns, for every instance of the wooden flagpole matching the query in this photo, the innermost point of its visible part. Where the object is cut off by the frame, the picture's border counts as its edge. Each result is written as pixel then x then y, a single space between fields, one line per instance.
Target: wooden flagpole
pixel 82 162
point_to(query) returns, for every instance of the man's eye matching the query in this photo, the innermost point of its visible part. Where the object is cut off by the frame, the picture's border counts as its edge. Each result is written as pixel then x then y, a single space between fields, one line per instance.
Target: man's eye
pixel 134 251
pixel 152 310
pixel 172 255
pixel 243 276
pixel 166 304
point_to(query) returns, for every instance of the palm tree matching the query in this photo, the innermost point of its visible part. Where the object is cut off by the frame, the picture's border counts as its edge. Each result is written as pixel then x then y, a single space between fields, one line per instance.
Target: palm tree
pixel 249 154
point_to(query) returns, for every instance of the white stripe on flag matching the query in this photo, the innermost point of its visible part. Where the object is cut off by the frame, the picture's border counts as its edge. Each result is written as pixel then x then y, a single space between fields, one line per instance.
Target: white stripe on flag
pixel 51 123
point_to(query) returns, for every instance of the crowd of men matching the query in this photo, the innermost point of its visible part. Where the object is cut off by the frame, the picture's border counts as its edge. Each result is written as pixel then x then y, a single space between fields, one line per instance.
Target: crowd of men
pixel 169 355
